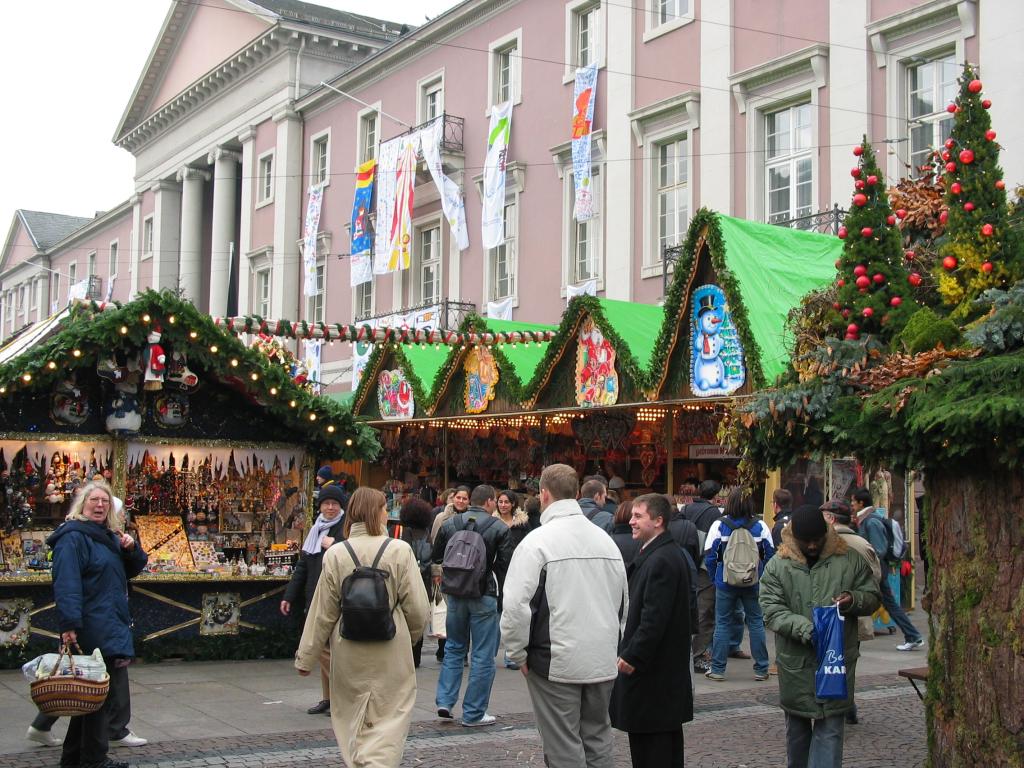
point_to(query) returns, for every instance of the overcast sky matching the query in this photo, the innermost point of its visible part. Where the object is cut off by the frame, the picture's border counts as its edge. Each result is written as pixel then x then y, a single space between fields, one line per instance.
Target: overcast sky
pixel 70 68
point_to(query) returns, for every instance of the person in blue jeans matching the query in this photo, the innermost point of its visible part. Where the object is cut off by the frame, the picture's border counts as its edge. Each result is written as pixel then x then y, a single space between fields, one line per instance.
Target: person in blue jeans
pixel 473 621
pixel 739 513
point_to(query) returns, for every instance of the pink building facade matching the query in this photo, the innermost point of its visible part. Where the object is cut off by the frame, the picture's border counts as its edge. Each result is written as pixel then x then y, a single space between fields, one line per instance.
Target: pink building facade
pixel 749 107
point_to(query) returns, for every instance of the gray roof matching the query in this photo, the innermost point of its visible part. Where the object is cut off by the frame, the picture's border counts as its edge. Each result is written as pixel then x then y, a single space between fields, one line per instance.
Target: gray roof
pixel 48 229
pixel 309 13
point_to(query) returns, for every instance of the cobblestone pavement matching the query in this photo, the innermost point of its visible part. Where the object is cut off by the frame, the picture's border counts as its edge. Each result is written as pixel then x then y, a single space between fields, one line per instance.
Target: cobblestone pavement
pixel 891 724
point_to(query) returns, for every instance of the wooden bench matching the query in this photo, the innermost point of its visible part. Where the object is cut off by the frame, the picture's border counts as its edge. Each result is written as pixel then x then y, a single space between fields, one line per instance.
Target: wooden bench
pixel 913 675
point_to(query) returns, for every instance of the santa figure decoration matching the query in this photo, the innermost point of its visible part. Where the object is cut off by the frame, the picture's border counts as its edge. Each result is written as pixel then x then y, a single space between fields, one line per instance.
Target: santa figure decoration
pixel 154 361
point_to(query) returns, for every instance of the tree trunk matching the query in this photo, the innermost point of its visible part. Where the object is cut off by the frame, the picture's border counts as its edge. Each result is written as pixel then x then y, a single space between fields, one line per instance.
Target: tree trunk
pixel 975 542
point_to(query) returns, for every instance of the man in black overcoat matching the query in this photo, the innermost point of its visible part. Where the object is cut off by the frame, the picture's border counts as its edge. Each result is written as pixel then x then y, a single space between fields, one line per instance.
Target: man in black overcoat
pixel 653 697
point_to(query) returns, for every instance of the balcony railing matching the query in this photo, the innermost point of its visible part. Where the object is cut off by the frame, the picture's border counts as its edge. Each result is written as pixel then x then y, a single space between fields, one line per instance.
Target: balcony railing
pixel 452 138
pixel 450 313
pixel 826 222
pixel 95 289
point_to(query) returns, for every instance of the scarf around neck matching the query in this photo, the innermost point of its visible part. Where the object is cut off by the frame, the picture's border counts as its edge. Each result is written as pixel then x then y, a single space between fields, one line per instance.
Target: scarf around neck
pixel 311 546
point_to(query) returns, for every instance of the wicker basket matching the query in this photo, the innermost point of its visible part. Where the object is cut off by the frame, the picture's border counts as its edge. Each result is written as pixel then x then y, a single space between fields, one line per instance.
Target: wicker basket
pixel 68 695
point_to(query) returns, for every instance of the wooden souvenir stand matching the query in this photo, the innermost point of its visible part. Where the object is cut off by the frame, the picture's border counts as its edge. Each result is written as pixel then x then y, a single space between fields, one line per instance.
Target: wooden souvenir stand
pixel 210 442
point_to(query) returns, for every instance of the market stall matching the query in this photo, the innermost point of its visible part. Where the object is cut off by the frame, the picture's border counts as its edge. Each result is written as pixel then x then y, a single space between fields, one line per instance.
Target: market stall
pixel 210 441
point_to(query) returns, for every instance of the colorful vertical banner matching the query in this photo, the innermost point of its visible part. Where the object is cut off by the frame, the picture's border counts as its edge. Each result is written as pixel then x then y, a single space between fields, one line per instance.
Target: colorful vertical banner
pixel 387 176
pixel 362 241
pixel 312 225
pixel 493 218
pixel 584 95
pixel 312 353
pixel 452 204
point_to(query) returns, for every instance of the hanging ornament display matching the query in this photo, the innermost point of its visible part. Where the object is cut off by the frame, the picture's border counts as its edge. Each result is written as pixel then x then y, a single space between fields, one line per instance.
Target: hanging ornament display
pixel 69 405
pixel 171 409
pixel 597 383
pixel 154 361
pixel 394 396
pixel 481 379
pixel 179 375
pixel 717 363
pixel 123 414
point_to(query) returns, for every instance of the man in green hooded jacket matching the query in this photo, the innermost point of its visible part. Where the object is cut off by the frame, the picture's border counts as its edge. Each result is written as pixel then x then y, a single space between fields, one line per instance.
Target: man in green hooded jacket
pixel 813 567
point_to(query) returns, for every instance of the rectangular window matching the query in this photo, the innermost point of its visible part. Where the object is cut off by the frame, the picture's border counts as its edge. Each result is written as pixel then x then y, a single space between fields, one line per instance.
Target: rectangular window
pixel 56 300
pixel 320 147
pixel 263 293
pixel 788 175
pixel 112 266
pixel 429 261
pixel 367 137
pixel 266 179
pixel 672 192
pixel 315 303
pixel 147 236
pixel 505 69
pixel 670 10
pixel 584 245
pixel 33 296
pixel 433 101
pixel 91 264
pixel 503 74
pixel 586 35
pixel 503 258
pixel 930 87
pixel 364 300
pixel 72 273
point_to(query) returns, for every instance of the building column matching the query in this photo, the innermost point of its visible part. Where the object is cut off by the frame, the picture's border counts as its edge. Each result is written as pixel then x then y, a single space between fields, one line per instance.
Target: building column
pixel 716 109
pixel 249 180
pixel 225 178
pixel 190 263
pixel 166 234
pixel 136 245
pixel 848 107
pixel 288 198
pixel 618 176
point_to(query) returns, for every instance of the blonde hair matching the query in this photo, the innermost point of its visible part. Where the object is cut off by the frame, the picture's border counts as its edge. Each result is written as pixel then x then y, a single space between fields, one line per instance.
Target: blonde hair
pixel 364 507
pixel 75 512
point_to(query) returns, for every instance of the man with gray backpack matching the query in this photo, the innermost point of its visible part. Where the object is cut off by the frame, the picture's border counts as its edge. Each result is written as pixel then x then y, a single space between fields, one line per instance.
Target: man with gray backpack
pixel 736 549
pixel 471 554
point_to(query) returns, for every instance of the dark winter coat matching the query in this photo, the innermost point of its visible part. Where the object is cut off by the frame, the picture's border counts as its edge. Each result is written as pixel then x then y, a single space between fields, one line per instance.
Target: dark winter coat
pixel 702 513
pixel 599 516
pixel 657 697
pixel 685 534
pixel 622 535
pixel 90 586
pixel 304 578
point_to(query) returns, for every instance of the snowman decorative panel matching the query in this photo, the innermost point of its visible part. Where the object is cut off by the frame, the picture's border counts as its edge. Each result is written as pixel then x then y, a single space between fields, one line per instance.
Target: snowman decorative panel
pixel 716 366
pixel 394 396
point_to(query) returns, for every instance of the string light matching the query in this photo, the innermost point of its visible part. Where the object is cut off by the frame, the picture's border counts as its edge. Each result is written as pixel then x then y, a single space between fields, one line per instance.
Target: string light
pixel 171 319
pixel 312 417
pixel 292 403
pixel 193 335
pixel 51 365
pixel 76 353
pixel 254 376
pixel 146 318
pixel 27 377
pixel 124 330
pixel 273 390
pixel 234 362
pixel 3 390
pixel 348 441
pixel 213 348
pixel 330 428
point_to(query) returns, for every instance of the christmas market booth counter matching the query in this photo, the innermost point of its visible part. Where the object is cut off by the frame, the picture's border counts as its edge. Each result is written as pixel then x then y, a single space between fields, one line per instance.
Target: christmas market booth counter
pixel 210 442
pixel 631 390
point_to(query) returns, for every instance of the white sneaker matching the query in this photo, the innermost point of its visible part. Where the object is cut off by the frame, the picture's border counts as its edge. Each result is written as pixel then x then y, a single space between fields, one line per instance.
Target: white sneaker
pixel 910 645
pixel 485 720
pixel 46 738
pixel 131 740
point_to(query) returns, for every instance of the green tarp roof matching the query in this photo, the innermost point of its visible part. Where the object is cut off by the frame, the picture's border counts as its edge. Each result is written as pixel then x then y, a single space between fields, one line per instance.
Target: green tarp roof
pixel 523 359
pixel 775 268
pixel 426 361
pixel 638 324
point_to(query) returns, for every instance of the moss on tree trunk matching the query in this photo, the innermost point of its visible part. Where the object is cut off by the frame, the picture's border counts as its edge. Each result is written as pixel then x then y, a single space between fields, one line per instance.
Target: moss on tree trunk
pixel 975 540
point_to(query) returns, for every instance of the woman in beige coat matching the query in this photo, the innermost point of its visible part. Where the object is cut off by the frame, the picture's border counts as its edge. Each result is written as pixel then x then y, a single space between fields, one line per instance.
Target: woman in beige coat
pixel 373 684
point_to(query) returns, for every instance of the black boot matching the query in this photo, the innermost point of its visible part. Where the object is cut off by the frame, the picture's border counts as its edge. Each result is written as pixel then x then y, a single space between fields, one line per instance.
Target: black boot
pixel 319 708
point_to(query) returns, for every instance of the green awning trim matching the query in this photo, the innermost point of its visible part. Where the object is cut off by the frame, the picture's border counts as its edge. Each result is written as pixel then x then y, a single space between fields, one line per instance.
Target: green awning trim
pixel 775 267
pixel 639 326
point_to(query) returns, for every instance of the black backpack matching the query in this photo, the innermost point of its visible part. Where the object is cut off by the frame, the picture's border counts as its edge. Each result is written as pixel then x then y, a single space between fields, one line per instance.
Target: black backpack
pixel 422 550
pixel 464 567
pixel 366 612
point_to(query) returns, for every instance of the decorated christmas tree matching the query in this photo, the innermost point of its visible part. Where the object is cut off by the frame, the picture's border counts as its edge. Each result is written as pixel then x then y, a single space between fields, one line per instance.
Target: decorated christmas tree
pixel 872 288
pixel 982 250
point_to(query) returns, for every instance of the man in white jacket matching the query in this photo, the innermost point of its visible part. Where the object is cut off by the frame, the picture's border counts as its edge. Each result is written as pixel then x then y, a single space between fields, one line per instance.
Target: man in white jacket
pixel 565 607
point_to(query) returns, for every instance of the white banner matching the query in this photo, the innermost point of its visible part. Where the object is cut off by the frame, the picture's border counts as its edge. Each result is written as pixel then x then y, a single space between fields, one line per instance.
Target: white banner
pixel 500 310
pixel 584 96
pixel 451 196
pixel 387 169
pixel 492 220
pixel 312 225
pixel 426 318
pixel 312 350
pixel 589 288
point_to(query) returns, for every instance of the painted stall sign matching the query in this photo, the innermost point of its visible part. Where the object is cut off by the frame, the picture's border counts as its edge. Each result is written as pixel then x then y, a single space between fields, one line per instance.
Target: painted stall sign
pixel 597 383
pixel 717 361
pixel 481 379
pixel 394 396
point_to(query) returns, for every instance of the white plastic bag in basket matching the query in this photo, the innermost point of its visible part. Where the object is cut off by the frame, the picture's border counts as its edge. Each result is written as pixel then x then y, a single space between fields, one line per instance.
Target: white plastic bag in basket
pixel 86 667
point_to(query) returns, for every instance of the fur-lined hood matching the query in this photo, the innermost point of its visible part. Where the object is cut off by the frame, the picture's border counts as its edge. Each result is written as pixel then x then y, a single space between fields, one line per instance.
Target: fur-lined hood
pixel 834 545
pixel 519 517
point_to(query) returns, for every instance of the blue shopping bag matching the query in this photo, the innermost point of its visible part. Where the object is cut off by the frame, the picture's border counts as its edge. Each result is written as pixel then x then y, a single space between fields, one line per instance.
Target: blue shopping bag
pixel 830 679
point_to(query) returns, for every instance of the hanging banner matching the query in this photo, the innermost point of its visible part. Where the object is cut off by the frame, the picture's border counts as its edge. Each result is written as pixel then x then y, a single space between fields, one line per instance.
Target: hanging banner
pixel 597 383
pixel 492 220
pixel 587 288
pixel 362 241
pixel 387 171
pixel 451 196
pixel 716 366
pixel 481 379
pixel 424 318
pixel 394 396
pixel 312 351
pixel 584 95
pixel 312 225
pixel 397 256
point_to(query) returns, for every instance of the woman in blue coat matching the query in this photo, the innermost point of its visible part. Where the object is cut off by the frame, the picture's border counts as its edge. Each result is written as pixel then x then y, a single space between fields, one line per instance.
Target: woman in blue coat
pixel 92 562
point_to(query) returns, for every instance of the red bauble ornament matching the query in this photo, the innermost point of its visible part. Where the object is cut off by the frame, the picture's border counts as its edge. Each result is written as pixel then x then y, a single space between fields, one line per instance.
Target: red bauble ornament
pixel 909 255
pixel 986 103
pixel 945 155
pixel 855 172
pixel 1000 184
pixel 967 156
pixel 840 282
pixel 968 206
pixel 974 86
pixel 987 230
pixel 866 232
pixel 955 188
pixel 951 108
pixel 986 267
pixel 860 200
pixel 858 150
pixel 879 278
pixel 949 262
pixel 951 167
pixel 914 279
pixel 863 281
pixel 943 216
pixel 895 301
pixel 859 184
pixel 835 306
pixel 990 135
pixel 872 180
pixel 901 213
pixel 859 270
pixel 838 262
pixel 852 328
pixel 867 311
pixel 842 236
pixel 845 313
pixel 890 220
pixel 950 143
